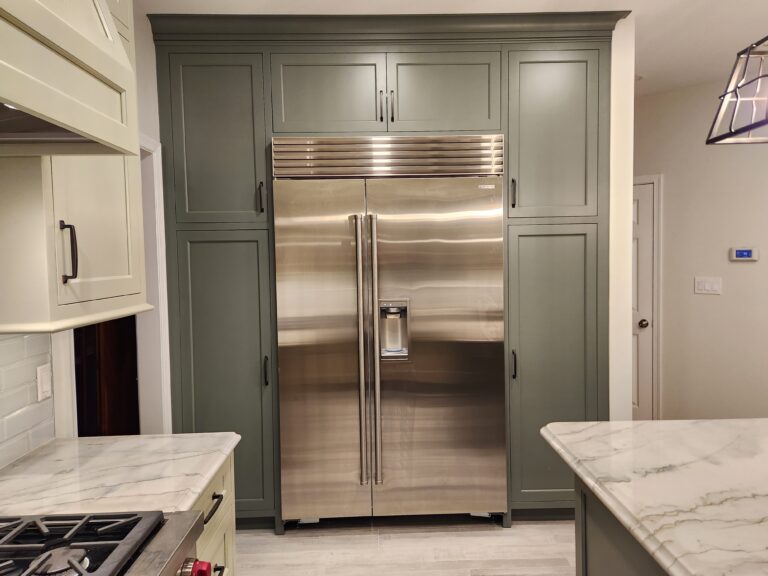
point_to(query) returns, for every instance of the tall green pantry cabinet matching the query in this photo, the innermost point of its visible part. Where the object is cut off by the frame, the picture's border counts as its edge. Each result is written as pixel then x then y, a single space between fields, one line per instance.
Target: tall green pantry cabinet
pixel 227 84
pixel 220 278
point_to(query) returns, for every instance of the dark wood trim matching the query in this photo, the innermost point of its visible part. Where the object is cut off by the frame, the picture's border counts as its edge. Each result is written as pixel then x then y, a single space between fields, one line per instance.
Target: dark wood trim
pixel 395 27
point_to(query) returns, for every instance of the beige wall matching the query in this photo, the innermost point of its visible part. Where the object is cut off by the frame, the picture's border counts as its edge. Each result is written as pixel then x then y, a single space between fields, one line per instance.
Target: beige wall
pixel 622 109
pixel 714 359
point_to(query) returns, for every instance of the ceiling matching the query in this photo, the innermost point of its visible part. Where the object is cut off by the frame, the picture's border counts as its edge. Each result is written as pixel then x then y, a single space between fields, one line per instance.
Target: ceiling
pixel 679 42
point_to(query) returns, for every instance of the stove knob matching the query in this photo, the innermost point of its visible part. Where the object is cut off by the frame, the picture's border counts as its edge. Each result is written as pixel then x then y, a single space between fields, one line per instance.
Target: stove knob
pixel 194 567
pixel 200 568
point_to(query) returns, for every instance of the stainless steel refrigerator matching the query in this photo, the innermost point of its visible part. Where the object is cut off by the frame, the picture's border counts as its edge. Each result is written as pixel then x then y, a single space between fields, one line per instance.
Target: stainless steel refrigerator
pixel 389 269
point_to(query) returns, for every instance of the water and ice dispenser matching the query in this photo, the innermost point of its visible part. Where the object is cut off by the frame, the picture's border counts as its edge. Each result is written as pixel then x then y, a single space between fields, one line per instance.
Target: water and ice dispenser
pixel 393 328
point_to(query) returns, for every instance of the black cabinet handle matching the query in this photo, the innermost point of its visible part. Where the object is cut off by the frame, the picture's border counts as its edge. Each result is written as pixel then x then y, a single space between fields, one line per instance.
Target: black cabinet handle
pixel 260 194
pixel 381 105
pixel 392 105
pixel 72 250
pixel 513 192
pixel 217 500
pixel 514 364
pixel 219 569
pixel 266 370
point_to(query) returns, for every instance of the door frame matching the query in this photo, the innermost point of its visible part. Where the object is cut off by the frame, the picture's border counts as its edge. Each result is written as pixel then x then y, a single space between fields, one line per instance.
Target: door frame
pixel 655 180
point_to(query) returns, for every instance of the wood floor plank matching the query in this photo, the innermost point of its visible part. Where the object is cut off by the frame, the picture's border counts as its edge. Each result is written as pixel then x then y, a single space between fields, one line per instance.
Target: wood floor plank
pixel 444 546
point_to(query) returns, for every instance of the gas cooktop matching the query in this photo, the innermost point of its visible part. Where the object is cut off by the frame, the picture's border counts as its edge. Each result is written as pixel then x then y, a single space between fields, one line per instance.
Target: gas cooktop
pixel 74 545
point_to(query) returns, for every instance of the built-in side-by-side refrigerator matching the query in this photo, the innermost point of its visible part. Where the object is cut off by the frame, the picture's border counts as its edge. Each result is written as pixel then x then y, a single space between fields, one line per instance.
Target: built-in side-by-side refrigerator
pixel 389 270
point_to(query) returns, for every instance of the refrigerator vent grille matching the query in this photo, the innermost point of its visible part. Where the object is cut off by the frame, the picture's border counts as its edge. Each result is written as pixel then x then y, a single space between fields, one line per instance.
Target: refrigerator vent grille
pixel 381 156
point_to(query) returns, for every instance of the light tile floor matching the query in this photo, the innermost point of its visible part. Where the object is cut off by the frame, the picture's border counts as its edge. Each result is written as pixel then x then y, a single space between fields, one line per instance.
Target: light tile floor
pixel 445 546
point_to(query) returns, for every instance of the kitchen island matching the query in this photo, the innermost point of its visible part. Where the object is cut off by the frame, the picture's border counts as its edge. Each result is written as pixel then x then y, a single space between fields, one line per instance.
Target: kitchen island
pixel 170 473
pixel 686 498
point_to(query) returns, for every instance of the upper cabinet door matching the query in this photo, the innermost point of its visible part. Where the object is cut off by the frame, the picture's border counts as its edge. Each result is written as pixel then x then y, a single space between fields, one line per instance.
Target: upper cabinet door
pixel 443 91
pixel 328 92
pixel 219 147
pixel 100 248
pixel 553 132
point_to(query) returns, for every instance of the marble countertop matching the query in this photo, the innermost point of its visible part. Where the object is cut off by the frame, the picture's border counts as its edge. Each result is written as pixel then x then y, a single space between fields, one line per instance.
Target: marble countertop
pixel 693 493
pixel 114 474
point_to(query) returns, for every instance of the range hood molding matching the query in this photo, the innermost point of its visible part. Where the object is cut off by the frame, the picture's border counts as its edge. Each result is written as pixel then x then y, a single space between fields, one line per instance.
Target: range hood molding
pixel 69 68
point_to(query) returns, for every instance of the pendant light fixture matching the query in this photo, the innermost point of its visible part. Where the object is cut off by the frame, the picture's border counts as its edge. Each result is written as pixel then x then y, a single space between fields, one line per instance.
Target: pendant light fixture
pixel 742 117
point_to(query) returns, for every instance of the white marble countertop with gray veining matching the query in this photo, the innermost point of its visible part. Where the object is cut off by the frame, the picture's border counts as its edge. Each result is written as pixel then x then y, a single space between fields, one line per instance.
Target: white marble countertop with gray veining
pixel 114 474
pixel 694 493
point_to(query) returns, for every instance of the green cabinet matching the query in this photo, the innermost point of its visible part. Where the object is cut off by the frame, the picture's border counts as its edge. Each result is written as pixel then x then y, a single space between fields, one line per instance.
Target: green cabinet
pixel 225 340
pixel 552 307
pixel 328 92
pixel 553 133
pixel 380 92
pixel 440 91
pixel 219 140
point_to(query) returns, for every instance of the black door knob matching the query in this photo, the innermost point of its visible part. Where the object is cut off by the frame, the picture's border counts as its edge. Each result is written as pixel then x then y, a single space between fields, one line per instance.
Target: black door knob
pixel 643 323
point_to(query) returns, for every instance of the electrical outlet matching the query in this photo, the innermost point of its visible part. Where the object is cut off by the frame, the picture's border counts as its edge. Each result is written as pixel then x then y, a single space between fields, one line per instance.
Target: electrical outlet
pixel 44 382
pixel 708 285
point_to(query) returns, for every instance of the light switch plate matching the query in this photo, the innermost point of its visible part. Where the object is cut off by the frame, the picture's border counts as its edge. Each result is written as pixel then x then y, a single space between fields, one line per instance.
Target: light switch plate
pixel 708 285
pixel 44 382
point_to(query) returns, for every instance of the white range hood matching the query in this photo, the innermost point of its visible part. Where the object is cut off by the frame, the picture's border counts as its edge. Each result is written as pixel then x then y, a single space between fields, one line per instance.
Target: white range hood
pixel 66 83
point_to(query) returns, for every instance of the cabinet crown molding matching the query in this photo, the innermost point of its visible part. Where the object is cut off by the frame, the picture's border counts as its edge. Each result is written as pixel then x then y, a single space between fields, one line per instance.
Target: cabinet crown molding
pixel 393 27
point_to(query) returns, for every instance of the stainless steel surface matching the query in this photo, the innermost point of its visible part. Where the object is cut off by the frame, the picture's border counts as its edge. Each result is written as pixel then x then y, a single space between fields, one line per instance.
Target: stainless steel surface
pixel 372 220
pixel 361 349
pixel 428 428
pixel 170 546
pixel 318 347
pixel 440 246
pixel 296 157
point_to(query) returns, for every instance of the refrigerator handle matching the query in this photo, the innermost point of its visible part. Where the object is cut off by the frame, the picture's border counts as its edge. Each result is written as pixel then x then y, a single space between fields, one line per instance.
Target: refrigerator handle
pixel 358 218
pixel 376 349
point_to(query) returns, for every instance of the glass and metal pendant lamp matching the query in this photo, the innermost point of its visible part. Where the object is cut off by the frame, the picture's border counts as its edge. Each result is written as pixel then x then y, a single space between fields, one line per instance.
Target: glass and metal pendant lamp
pixel 742 117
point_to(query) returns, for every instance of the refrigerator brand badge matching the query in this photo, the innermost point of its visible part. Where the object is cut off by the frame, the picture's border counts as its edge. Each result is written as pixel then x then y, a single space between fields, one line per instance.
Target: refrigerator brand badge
pixel 487 186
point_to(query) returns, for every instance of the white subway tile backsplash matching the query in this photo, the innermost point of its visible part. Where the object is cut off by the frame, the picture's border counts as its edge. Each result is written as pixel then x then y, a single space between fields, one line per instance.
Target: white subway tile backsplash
pixel 25 423
pixel 14 399
pixel 22 372
pixel 14 449
pixel 28 417
pixel 36 344
pixel 11 350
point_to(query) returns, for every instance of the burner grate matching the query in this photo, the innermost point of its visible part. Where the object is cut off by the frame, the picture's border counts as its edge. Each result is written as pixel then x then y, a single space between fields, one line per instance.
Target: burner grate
pixel 73 545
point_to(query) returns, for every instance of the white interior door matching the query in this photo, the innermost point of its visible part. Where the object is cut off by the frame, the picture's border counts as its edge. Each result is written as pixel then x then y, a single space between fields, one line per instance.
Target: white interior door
pixel 643 270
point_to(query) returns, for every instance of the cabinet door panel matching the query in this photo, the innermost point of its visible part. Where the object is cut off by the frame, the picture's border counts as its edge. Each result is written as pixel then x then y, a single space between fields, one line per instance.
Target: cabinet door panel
pixel 553 331
pixel 225 335
pixel 444 91
pixel 553 130
pixel 219 145
pixel 99 195
pixel 328 92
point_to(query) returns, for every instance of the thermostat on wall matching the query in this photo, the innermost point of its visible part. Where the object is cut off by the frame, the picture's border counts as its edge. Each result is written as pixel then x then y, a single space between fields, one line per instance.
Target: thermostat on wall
pixel 744 255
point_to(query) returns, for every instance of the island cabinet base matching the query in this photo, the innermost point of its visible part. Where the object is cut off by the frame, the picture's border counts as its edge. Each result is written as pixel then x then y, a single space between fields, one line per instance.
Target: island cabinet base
pixel 604 547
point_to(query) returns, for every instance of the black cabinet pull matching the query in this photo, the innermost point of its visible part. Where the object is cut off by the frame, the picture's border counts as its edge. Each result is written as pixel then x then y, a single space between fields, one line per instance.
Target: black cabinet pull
pixel 513 192
pixel 381 105
pixel 392 105
pixel 266 370
pixel 72 250
pixel 514 364
pixel 217 500
pixel 219 569
pixel 260 194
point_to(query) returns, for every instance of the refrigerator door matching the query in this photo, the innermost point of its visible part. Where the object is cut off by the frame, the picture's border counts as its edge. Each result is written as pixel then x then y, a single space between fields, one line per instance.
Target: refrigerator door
pixel 319 270
pixel 437 251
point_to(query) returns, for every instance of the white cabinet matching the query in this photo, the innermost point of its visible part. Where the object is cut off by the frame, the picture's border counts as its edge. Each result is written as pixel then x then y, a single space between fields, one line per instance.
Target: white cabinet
pixel 217 504
pixel 100 196
pixel 66 63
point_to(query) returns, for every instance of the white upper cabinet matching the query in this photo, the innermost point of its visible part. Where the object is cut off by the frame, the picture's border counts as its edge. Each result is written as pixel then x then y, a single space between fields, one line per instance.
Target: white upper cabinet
pixel 71 226
pixel 67 78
